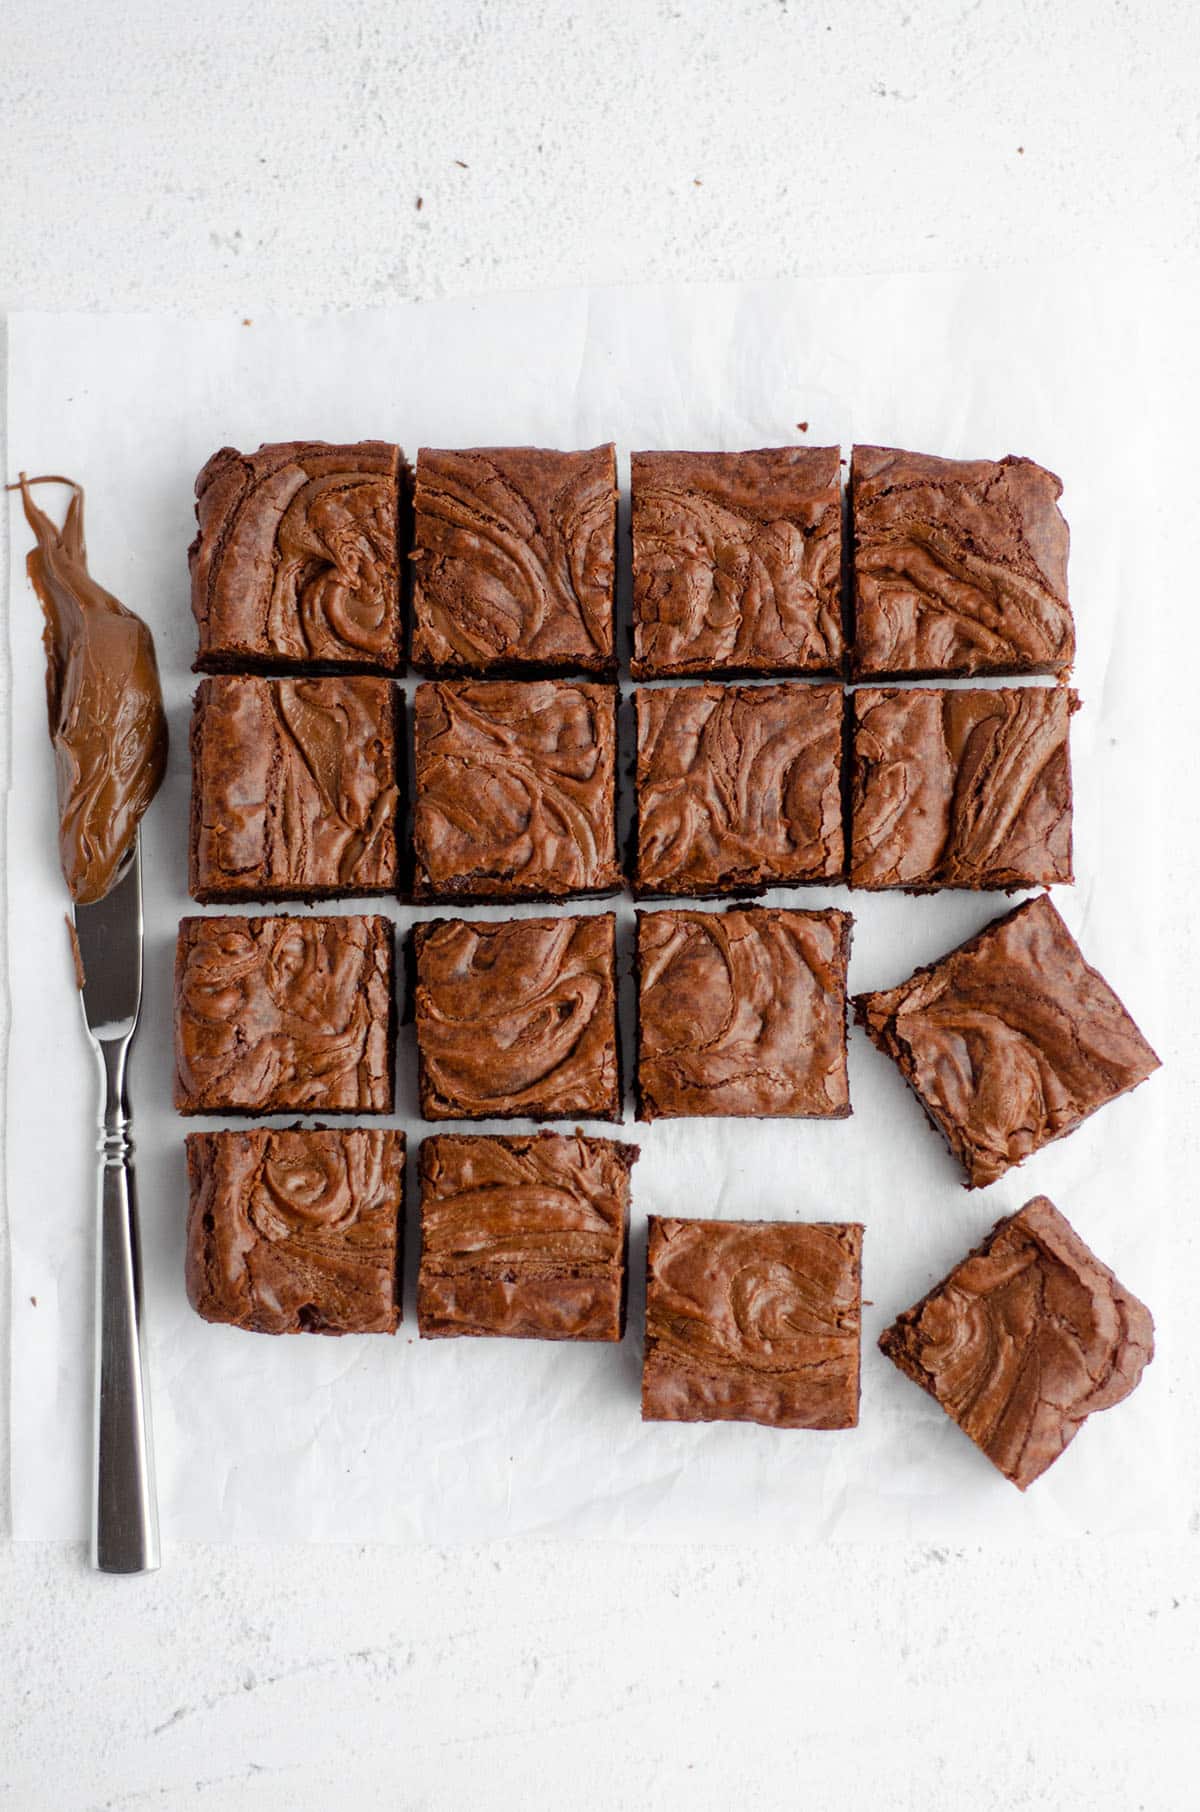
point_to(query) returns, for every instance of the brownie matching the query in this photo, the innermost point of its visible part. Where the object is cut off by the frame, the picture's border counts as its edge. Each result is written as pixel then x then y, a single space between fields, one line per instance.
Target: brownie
pixel 296 1232
pixel 294 788
pixel 1024 1340
pixel 284 1015
pixel 525 1237
pixel 517 1019
pixel 295 565
pixel 1009 1041
pixel 515 790
pixel 737 562
pixel 738 788
pixel 513 561
pixel 753 1321
pixel 742 1012
pixel 961 788
pixel 960 567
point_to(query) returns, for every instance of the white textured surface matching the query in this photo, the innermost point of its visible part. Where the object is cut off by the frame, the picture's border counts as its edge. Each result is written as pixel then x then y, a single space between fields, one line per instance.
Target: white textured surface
pixel 226 157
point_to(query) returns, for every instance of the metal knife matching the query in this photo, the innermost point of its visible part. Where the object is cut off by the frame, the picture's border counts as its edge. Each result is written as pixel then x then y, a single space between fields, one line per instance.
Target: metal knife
pixel 124 1509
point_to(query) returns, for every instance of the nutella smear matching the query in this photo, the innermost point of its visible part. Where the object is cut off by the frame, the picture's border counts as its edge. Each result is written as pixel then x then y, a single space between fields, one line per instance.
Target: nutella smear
pixel 106 712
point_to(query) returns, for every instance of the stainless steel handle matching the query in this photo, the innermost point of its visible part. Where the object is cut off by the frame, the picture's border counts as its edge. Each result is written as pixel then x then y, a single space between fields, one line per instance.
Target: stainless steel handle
pixel 124 1509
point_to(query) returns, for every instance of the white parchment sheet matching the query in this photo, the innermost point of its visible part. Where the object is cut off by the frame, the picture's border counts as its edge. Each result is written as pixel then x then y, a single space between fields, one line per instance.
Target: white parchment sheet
pixel 377 1439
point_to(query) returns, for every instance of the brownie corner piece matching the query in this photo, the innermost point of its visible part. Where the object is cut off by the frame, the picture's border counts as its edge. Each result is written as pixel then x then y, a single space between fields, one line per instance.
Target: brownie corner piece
pixel 966 787
pixel 737 562
pixel 738 788
pixel 514 559
pixel 516 790
pixel 1025 1339
pixel 1044 1040
pixel 960 567
pixel 753 1321
pixel 742 1012
pixel 295 564
pixel 524 1236
pixel 293 1232
pixel 295 789
pixel 517 1018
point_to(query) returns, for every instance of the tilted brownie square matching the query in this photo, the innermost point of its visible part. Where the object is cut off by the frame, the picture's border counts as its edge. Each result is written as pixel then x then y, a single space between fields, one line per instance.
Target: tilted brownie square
pixel 296 1232
pixel 961 788
pixel 1024 1340
pixel 513 561
pixel 524 1237
pixel 294 788
pixel 737 562
pixel 295 565
pixel 283 1015
pixel 742 1012
pixel 516 792
pixel 1010 1041
pixel 960 567
pixel 738 788
pixel 753 1321
pixel 517 1019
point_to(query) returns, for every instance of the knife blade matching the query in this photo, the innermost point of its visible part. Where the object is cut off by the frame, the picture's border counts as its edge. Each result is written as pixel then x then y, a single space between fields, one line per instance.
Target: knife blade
pixel 108 936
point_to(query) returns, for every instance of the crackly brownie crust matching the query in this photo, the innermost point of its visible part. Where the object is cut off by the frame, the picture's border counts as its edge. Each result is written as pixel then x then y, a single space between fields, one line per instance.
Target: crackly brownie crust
pixel 294 788
pixel 295 564
pixel 514 560
pixel 524 1236
pixel 296 1232
pixel 737 562
pixel 738 788
pixel 960 567
pixel 1009 1041
pixel 517 1018
pixel 284 1015
pixel 961 788
pixel 1024 1340
pixel 515 790
pixel 753 1321
pixel 742 1012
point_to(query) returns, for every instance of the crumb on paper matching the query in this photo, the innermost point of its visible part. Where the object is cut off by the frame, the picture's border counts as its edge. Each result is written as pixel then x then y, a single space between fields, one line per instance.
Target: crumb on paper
pixel 420 203
pixel 33 1301
pixel 697 182
pixel 461 165
pixel 1020 150
pixel 76 952
pixel 246 321
pixel 803 427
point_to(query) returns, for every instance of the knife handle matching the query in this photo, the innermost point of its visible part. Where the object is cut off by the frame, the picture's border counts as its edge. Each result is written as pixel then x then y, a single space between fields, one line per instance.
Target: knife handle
pixel 124 1508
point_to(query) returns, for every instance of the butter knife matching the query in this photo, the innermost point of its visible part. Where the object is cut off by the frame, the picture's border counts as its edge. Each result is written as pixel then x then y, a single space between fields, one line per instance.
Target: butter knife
pixel 124 1510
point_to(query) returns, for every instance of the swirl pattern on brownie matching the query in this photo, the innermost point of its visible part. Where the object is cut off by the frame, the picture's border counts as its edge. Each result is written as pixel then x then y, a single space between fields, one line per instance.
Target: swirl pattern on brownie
pixel 960 566
pixel 1024 1340
pixel 517 1018
pixel 292 1232
pixel 515 789
pixel 281 1014
pixel 513 557
pixel 967 788
pixel 738 786
pixel 296 560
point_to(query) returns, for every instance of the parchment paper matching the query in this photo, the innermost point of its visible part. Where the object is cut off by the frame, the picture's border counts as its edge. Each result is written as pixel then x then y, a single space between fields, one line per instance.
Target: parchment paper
pixel 376 1439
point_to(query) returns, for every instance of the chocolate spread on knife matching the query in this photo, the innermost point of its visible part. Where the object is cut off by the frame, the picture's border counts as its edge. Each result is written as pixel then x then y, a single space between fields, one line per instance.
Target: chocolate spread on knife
pixel 107 723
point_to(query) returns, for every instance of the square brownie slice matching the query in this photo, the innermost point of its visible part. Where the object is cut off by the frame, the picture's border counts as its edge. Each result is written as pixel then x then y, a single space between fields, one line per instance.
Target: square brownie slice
pixel 963 788
pixel 742 1012
pixel 524 1237
pixel 960 567
pixel 517 1019
pixel 294 788
pixel 296 1232
pixel 513 561
pixel 284 1015
pixel 738 788
pixel 295 565
pixel 516 793
pixel 1024 1340
pixel 753 1321
pixel 737 562
pixel 1010 1041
